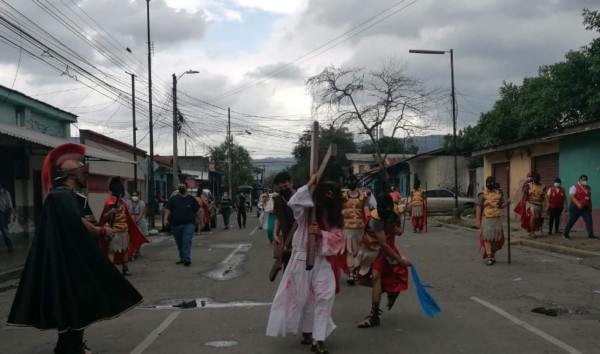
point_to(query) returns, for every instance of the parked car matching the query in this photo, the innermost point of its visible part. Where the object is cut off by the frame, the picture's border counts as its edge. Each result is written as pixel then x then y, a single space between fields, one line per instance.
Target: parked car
pixel 441 202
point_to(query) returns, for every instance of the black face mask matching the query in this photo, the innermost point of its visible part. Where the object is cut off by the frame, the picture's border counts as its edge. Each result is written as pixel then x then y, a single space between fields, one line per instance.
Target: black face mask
pixel 182 190
pixel 286 193
pixel 352 185
pixel 536 180
pixel 491 186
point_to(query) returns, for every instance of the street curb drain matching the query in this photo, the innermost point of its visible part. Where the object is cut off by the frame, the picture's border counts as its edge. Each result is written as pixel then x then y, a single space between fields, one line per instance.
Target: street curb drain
pixel 558 311
pixel 186 304
pixel 221 343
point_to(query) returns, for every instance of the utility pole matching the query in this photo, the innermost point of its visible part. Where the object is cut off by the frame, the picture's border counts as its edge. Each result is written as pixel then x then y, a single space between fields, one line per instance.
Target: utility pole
pixel 135 176
pixel 151 189
pixel 229 149
pixel 175 131
pixel 185 147
pixel 456 211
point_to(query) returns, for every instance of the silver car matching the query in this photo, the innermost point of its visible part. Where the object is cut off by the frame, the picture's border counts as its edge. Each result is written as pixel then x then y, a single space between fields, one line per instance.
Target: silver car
pixel 441 202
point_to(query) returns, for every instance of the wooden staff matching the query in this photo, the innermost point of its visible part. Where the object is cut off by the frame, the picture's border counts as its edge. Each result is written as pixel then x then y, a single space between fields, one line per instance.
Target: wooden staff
pixel 319 170
pixel 508 211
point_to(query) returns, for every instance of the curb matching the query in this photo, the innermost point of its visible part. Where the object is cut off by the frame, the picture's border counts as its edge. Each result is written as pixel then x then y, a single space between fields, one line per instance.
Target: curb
pixel 538 245
pixel 11 274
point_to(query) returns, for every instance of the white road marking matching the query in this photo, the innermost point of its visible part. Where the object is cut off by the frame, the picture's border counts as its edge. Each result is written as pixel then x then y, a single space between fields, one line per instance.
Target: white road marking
pixel 154 334
pixel 236 250
pixel 253 230
pixel 527 326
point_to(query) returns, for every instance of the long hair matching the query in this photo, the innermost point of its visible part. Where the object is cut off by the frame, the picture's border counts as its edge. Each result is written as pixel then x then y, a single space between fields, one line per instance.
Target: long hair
pixel 328 202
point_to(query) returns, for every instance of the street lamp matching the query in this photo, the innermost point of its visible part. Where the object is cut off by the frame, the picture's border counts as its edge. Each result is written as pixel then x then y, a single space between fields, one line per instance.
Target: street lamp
pixel 442 52
pixel 176 125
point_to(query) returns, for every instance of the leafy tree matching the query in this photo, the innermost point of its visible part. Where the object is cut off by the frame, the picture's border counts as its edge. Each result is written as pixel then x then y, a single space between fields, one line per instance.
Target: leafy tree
pixel 337 169
pixel 391 145
pixel 241 165
pixel 563 94
pixel 371 100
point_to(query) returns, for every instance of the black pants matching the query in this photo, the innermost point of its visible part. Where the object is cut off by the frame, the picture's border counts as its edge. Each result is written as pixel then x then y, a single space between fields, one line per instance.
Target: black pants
pixel 554 218
pixel 241 216
pixel 574 214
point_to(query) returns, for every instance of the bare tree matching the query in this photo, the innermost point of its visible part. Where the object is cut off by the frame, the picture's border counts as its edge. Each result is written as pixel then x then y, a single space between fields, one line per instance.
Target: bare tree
pixel 385 98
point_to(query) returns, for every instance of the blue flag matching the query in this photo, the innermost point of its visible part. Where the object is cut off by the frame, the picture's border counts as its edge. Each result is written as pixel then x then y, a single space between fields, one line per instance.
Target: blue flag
pixel 428 304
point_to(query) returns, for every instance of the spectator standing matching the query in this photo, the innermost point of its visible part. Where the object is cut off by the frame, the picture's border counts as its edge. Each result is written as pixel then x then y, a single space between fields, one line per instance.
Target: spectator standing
pixel 137 208
pixel 581 206
pixel 556 205
pixel 181 213
pixel 395 194
pixel 240 207
pixel 6 210
pixel 226 205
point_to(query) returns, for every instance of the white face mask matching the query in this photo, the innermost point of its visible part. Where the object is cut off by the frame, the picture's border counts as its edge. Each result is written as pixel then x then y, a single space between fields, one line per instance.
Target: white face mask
pixel 584 183
pixel 556 184
pixel 135 199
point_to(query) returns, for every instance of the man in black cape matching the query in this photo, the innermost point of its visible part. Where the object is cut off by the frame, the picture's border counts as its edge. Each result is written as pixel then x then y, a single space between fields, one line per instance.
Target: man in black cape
pixel 68 283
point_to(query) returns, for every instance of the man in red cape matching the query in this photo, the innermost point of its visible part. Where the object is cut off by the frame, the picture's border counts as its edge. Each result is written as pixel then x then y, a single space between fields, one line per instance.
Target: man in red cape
pixel 116 214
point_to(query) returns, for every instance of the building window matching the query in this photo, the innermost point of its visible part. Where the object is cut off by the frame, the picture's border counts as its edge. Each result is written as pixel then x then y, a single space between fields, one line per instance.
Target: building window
pixel 361 168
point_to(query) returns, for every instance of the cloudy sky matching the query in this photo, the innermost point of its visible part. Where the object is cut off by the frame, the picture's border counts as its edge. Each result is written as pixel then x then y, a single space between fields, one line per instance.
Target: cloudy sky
pixel 255 55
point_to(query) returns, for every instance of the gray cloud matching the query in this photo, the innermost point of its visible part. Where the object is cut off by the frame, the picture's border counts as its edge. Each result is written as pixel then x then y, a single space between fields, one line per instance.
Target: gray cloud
pixel 285 71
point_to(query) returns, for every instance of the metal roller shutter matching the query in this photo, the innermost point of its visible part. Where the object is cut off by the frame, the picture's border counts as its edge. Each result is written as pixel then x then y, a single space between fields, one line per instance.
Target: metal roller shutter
pixel 500 171
pixel 547 167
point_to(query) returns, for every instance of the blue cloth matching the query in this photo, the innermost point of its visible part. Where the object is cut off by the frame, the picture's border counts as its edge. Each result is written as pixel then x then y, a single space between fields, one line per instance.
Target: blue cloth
pixel 183 236
pixel 428 304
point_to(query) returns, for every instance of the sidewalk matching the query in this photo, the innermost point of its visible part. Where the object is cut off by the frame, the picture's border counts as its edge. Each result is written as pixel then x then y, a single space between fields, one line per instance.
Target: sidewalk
pixel 579 245
pixel 11 264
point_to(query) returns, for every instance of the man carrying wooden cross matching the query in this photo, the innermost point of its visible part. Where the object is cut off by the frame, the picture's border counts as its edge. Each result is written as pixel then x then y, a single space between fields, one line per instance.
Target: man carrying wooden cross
pixel 305 297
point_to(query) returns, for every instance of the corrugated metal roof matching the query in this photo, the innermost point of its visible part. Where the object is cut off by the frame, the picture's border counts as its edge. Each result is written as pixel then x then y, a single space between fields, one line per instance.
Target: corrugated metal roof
pixel 52 142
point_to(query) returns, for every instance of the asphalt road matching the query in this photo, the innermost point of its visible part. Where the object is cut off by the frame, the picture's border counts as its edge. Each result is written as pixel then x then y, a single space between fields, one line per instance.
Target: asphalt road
pixel 484 309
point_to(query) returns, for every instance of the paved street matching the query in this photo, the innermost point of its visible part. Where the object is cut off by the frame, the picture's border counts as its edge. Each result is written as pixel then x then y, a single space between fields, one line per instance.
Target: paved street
pixel 484 309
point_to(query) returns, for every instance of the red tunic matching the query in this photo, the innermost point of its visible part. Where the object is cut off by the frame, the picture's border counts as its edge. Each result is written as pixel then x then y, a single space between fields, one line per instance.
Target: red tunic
pixel 394 277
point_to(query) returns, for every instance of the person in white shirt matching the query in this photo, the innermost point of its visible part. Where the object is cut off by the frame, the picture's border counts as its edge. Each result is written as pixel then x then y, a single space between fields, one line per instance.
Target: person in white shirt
pixel 581 206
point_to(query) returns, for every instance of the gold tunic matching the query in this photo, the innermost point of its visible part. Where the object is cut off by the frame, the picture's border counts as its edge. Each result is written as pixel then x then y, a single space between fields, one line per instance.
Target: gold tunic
pixel 492 203
pixel 353 211
pixel 536 193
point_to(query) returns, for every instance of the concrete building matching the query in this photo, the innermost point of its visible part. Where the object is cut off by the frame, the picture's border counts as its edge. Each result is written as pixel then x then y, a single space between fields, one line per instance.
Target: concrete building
pixel 29 128
pixel 565 154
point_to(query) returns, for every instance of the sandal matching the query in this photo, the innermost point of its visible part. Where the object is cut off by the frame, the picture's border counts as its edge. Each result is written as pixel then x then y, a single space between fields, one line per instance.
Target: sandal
pixel 391 297
pixel 369 321
pixel 306 338
pixel 319 347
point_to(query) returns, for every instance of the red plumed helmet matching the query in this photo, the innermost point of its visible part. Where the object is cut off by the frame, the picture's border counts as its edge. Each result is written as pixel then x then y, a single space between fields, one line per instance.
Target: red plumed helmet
pixel 55 158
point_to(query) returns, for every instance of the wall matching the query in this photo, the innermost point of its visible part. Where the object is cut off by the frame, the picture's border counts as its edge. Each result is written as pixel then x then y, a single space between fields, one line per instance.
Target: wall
pixel 426 170
pixel 579 154
pixel 445 173
pixel 521 162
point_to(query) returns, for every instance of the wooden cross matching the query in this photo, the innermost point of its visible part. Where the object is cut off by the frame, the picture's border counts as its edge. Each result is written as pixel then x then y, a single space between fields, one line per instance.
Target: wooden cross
pixel 319 170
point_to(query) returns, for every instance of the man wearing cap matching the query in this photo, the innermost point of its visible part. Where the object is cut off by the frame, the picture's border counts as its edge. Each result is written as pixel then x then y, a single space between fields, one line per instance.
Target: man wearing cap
pixel 67 282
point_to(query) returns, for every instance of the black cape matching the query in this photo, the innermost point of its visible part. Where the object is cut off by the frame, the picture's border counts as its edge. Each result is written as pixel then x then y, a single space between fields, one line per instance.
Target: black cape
pixel 67 282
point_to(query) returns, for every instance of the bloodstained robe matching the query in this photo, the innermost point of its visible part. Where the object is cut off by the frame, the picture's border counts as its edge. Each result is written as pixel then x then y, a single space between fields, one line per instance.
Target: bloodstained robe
pixel 68 283
pixel 304 299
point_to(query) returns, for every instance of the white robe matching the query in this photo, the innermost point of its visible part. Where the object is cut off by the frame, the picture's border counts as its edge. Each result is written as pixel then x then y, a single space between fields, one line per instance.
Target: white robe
pixel 304 299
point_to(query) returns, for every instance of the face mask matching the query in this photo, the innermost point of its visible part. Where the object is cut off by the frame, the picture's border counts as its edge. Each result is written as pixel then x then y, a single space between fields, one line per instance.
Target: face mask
pixel 556 184
pixel 536 180
pixel 182 190
pixel 529 179
pixel 491 186
pixel 352 186
pixel 286 193
pixel 584 183
pixel 135 198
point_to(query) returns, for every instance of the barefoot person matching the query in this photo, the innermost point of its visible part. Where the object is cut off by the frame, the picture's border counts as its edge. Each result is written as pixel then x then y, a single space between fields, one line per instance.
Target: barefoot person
pixel 417 207
pixel 489 219
pixel 356 208
pixel 67 282
pixel 304 299
pixel 535 193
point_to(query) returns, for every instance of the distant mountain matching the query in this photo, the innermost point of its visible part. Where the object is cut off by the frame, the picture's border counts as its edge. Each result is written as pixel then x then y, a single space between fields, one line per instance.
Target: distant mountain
pixel 424 143
pixel 274 164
